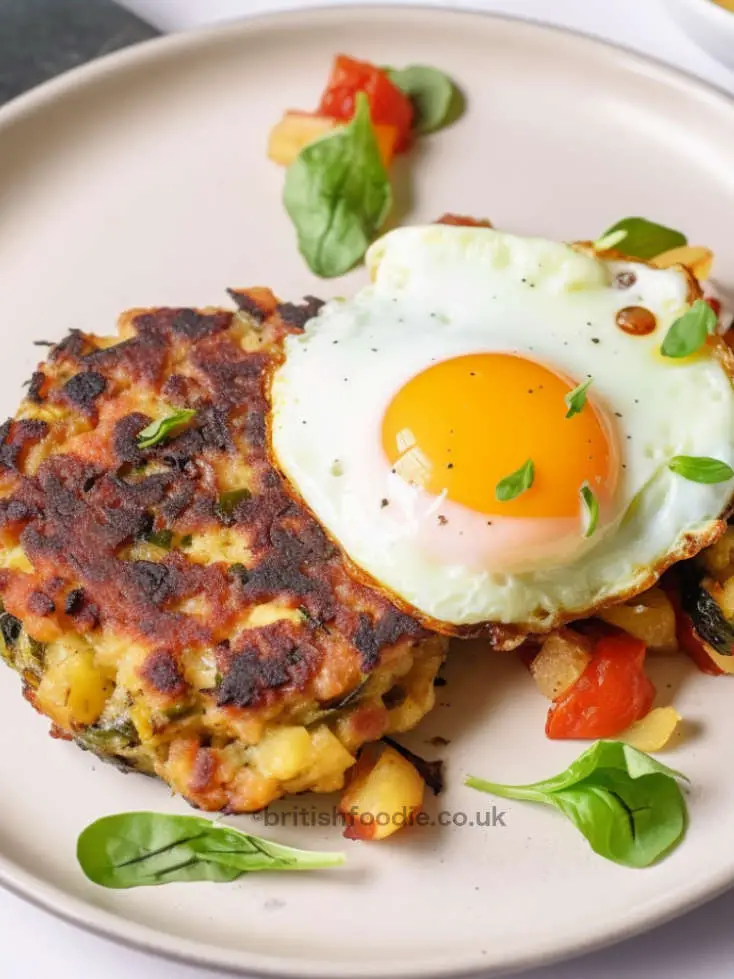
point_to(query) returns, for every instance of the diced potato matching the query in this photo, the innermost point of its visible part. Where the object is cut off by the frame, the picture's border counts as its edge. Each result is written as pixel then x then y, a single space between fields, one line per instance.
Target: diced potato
pixel 696 258
pixel 562 659
pixel 294 131
pixel 330 761
pixel 283 752
pixel 725 598
pixel 653 731
pixel 297 129
pixel 73 691
pixel 225 544
pixel 269 612
pixel 382 797
pixel 420 691
pixel 649 617
pixel 718 559
pixel 15 559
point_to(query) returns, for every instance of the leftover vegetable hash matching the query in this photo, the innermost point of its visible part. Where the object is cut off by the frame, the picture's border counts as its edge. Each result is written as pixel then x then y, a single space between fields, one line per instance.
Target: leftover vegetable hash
pixel 173 608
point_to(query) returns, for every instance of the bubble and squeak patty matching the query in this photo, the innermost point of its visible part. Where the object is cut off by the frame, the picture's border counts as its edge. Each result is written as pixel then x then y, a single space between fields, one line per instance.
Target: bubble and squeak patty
pixel 168 602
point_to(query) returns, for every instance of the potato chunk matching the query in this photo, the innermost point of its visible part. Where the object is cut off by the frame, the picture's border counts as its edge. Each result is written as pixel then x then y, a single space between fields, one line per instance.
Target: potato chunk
pixel 649 617
pixel 653 731
pixel 696 258
pixel 562 659
pixel 297 129
pixel 382 797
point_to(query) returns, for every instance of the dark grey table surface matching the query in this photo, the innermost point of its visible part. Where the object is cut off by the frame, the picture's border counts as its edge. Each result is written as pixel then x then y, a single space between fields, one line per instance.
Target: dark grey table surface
pixel 41 38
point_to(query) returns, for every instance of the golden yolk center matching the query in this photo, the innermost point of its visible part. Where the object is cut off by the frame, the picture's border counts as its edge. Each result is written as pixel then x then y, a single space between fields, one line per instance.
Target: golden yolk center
pixel 464 424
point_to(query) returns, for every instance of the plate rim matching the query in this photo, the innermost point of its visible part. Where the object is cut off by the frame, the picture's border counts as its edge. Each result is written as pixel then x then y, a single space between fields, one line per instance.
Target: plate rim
pixel 130 934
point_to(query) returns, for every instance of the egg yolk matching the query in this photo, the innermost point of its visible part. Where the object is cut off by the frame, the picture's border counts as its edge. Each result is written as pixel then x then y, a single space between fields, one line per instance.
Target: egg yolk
pixel 464 424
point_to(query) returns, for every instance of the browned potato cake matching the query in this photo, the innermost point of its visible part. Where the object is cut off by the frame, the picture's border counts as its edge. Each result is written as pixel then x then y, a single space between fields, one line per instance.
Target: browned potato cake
pixel 174 607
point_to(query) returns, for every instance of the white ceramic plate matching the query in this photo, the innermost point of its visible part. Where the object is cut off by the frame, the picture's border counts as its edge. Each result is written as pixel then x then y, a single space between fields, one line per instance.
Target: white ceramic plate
pixel 143 180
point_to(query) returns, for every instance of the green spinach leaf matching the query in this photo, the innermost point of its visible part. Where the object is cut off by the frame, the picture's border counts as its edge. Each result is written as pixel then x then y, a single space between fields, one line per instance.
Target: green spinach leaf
pixel 142 849
pixel 642 238
pixel 628 805
pixel 338 195
pixel 432 93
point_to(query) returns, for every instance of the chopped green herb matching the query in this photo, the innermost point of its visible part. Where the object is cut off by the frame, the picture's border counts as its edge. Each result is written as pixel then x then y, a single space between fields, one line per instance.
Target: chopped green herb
pixel 186 541
pixel 142 849
pixel 228 502
pixel 161 538
pixel 689 332
pixel 592 509
pixel 642 238
pixel 628 806
pixel 576 399
pixel 516 483
pixel 701 469
pixel 240 572
pixel 159 430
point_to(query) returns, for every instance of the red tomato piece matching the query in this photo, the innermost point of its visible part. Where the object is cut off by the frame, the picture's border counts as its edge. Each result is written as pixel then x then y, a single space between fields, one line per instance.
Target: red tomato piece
pixel 463 221
pixel 389 106
pixel 612 693
pixel 715 304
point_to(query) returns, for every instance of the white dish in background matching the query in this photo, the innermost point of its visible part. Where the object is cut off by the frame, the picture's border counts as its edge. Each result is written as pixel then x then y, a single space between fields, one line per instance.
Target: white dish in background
pixel 709 25
pixel 143 180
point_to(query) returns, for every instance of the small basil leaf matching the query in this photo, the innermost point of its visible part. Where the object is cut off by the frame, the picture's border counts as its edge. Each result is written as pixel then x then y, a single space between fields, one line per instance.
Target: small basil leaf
pixel 157 431
pixel 701 469
pixel 138 849
pixel 516 483
pixel 689 332
pixel 592 509
pixel 576 399
pixel 338 195
pixel 628 805
pixel 431 93
pixel 609 240
pixel 644 239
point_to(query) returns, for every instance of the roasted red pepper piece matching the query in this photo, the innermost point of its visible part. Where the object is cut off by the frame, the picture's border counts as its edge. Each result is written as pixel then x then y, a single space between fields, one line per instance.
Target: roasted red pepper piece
pixel 612 693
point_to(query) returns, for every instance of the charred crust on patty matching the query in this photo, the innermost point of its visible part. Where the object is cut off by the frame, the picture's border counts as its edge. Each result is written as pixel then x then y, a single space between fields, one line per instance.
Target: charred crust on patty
pixel 371 637
pixel 35 388
pixel 74 601
pixel 162 672
pixel 152 580
pixel 16 436
pixel 73 346
pixel 195 325
pixel 40 604
pixel 259 304
pixel 297 315
pixel 83 389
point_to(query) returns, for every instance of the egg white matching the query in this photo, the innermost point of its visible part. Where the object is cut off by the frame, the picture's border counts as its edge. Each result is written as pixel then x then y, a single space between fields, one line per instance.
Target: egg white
pixel 440 292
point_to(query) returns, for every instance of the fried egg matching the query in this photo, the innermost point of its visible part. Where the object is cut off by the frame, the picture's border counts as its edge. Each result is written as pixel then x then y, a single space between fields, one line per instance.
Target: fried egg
pixel 397 413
